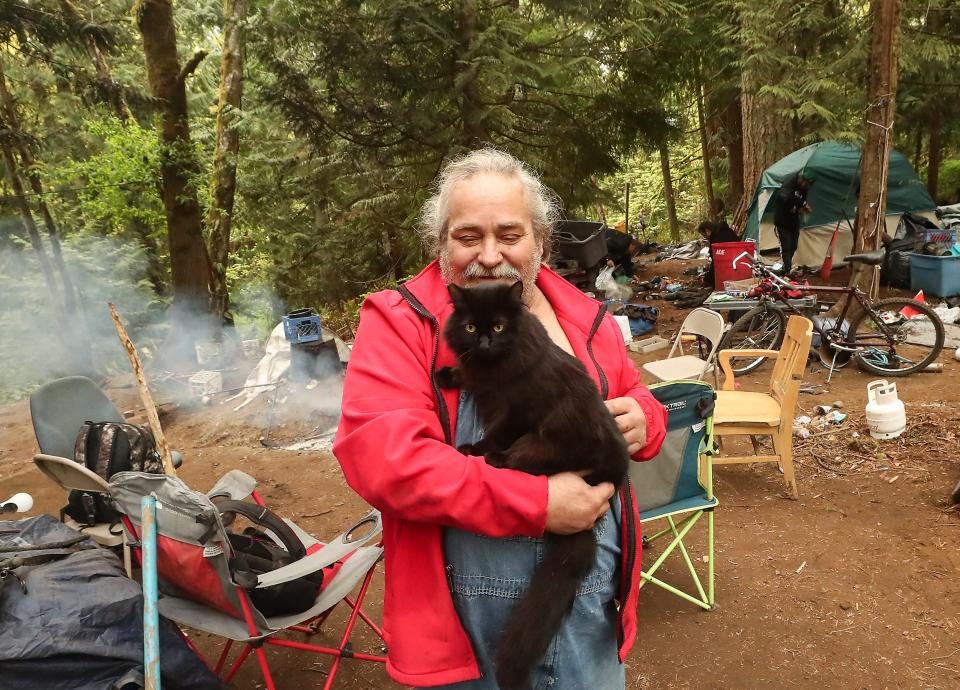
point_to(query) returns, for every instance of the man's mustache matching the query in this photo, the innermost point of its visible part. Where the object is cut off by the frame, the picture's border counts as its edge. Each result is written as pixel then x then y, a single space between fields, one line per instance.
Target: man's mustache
pixel 501 270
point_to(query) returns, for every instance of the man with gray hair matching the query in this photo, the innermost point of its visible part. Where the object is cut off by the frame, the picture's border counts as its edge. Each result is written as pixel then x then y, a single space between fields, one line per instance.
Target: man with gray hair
pixel 461 538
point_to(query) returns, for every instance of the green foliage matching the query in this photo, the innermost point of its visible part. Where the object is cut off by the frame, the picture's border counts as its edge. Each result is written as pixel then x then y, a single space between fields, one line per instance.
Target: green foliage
pixel 948 188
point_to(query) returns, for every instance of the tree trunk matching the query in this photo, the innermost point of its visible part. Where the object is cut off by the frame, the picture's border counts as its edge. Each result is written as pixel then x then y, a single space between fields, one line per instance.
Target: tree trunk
pixel 705 151
pixel 471 106
pixel 395 251
pixel 767 135
pixel 934 157
pixel 918 149
pixel 726 106
pixel 79 347
pixel 220 215
pixel 28 164
pixel 111 87
pixel 20 201
pixel 668 191
pixel 189 264
pixel 878 121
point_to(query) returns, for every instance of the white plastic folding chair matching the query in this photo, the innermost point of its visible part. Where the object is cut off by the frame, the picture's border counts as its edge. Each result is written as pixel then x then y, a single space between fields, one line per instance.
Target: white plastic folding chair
pixel 704 324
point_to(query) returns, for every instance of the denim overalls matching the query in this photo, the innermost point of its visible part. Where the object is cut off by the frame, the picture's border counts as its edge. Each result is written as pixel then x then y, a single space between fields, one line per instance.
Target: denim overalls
pixel 488 576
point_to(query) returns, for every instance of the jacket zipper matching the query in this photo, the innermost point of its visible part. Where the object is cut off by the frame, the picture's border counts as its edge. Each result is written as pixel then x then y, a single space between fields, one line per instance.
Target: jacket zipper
pixel 626 508
pixel 604 385
pixel 626 494
pixel 442 411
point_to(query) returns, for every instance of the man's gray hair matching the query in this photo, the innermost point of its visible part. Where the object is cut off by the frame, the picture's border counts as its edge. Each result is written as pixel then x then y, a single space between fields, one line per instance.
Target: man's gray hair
pixel 544 204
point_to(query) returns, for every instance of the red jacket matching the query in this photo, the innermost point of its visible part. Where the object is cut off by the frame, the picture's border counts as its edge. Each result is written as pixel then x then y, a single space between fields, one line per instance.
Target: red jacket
pixel 394 444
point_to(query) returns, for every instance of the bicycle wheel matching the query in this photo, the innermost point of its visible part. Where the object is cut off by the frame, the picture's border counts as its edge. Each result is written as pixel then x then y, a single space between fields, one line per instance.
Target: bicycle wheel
pixel 893 344
pixel 761 328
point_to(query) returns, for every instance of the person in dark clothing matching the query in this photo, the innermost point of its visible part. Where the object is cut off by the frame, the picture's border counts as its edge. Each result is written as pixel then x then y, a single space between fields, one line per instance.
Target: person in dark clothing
pixel 621 248
pixel 715 233
pixel 791 202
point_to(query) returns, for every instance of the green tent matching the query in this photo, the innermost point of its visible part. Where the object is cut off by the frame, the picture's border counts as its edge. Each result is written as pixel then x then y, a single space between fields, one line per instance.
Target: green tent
pixel 835 169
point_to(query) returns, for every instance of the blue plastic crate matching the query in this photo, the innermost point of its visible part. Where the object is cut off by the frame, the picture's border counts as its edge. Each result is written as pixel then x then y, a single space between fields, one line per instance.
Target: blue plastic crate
pixel 935 275
pixel 301 326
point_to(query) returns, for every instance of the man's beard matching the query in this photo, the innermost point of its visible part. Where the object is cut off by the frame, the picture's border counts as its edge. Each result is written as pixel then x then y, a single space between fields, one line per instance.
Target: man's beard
pixel 475 271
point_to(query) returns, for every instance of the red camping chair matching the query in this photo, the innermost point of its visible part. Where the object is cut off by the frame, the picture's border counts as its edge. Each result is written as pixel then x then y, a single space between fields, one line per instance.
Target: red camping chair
pixel 199 588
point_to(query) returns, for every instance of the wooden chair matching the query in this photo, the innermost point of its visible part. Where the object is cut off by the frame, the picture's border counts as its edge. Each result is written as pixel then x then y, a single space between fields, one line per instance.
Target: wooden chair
pixel 742 413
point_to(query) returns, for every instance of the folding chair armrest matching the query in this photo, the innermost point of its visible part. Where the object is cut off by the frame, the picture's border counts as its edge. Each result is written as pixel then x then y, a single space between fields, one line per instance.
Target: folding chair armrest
pixel 335 550
pixel 724 357
pixel 235 485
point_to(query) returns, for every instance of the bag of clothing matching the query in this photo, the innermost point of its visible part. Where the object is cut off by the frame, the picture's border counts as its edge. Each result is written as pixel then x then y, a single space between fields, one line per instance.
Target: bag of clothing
pixel 642 318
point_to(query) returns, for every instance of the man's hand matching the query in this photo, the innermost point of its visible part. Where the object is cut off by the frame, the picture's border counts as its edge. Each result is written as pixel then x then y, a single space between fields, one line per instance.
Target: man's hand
pixel 573 505
pixel 631 420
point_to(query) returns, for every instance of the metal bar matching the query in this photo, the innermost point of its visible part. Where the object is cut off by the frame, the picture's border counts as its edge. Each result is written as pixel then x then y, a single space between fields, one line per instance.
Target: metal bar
pixel 687 524
pixel 711 598
pixel 239 662
pixel 186 639
pixel 223 657
pixel 365 617
pixel 330 651
pixel 265 668
pixel 673 590
pixel 151 614
pixel 252 628
pixel 349 629
pixel 686 558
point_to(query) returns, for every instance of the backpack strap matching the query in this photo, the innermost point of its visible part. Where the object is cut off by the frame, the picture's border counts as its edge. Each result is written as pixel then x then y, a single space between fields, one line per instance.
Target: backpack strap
pixel 269 520
pixel 80 445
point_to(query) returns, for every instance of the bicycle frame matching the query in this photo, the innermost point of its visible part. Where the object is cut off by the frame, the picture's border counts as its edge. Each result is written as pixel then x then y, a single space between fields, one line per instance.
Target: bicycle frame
pixel 834 335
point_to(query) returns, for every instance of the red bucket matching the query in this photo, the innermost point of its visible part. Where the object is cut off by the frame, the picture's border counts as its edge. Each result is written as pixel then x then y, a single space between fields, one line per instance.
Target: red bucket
pixel 724 254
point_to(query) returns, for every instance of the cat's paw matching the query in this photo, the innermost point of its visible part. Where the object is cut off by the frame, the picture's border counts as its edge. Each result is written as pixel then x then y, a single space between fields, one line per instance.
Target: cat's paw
pixel 466 449
pixel 447 377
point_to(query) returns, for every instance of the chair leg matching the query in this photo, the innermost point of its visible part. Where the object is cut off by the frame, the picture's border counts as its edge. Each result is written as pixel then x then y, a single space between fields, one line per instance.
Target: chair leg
pixel 238 663
pixel 223 657
pixel 265 668
pixel 711 598
pixel 784 448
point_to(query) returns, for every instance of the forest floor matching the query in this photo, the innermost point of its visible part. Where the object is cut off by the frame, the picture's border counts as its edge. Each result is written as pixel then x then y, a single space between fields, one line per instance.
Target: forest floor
pixel 852 586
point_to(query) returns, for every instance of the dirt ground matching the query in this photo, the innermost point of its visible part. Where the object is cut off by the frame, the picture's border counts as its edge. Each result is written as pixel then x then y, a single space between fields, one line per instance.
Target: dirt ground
pixel 852 586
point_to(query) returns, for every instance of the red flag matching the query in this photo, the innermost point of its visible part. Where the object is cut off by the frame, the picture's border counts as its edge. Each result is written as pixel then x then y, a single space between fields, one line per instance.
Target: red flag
pixel 909 312
pixel 828 262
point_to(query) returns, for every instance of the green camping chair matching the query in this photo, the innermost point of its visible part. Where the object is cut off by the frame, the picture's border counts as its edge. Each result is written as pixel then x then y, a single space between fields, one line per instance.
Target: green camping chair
pixel 677 485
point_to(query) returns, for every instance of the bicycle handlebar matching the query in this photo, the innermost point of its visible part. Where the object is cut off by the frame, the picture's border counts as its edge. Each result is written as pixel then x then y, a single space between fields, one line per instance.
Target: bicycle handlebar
pixel 760 270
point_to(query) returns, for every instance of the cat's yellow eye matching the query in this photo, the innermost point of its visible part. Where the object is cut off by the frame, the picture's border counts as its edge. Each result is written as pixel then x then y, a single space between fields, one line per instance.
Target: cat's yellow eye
pixel 498 328
pixel 471 328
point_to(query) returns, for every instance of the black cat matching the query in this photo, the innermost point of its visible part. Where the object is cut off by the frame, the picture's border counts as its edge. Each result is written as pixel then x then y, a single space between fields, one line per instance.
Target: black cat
pixel 542 414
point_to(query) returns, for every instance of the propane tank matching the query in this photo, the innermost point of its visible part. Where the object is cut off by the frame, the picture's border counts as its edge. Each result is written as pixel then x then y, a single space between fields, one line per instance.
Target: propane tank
pixel 886 415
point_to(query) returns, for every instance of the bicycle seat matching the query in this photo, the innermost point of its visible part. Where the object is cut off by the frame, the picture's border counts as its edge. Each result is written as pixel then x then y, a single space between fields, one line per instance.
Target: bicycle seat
pixel 869 258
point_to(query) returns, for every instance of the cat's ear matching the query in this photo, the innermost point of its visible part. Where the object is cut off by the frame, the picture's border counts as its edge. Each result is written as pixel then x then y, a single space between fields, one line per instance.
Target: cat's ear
pixel 516 292
pixel 456 296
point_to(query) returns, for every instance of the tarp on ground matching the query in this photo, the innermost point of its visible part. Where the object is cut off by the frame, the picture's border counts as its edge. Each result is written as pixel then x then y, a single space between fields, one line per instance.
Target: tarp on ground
pixel 79 626
pixel 835 166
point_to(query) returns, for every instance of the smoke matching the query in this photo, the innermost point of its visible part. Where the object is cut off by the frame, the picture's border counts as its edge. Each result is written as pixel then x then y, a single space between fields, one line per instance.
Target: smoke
pixel 39 339
pixel 39 342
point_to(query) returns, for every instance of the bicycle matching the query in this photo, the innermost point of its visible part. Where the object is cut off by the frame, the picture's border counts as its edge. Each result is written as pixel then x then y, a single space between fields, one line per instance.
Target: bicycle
pixel 891 337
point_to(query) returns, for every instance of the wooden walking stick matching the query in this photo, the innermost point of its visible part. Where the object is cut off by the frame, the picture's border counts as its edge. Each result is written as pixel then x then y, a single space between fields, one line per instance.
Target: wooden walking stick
pixel 145 398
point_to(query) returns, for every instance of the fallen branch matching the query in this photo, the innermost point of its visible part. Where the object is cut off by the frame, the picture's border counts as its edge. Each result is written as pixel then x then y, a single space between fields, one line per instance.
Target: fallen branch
pixel 145 398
